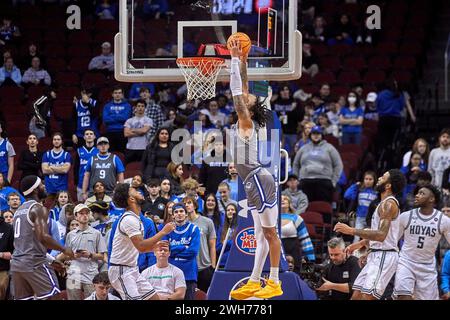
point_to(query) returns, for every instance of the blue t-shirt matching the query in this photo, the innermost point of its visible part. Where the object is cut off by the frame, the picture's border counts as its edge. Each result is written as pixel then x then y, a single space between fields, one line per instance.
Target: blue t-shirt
pixel 56 182
pixel 84 155
pixel 349 114
pixel 4 156
pixel 388 105
pixel 134 91
pixel 364 197
pixel 184 244
pixel 4 193
pixel 115 114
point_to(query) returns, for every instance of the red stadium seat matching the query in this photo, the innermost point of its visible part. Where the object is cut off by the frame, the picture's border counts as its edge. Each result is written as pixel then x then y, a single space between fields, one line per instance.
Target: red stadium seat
pixel 79 64
pixel 387 48
pixel 94 79
pixel 349 77
pixel 83 51
pixel 353 148
pixel 355 63
pixel 79 38
pixel 380 62
pixel 325 77
pixel 11 95
pixel 55 65
pixel 332 140
pixel 374 77
pixel 68 79
pixel 55 50
pixel 405 62
pixel 330 63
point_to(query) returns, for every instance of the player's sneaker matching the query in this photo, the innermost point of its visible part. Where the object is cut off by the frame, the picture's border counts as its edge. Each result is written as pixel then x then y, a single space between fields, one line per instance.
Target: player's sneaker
pixel 246 291
pixel 269 291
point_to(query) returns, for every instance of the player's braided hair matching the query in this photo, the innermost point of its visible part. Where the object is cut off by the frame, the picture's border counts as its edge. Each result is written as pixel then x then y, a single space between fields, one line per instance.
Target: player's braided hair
pixel 261 114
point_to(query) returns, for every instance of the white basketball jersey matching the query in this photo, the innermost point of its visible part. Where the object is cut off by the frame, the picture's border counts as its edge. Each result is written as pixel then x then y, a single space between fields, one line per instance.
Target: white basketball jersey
pixel 123 250
pixel 391 240
pixel 422 234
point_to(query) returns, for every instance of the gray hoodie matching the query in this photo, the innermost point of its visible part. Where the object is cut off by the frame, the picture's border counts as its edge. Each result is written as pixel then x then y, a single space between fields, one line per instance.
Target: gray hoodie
pixel 321 161
pixel 298 198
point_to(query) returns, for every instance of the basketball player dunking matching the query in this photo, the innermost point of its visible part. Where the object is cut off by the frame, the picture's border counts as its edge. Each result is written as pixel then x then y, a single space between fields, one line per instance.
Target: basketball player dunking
pixel 32 276
pixel 381 239
pixel 259 184
pixel 422 229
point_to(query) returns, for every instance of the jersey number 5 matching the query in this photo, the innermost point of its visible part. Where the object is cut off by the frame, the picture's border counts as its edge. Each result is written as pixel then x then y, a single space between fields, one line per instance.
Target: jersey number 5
pixel 420 242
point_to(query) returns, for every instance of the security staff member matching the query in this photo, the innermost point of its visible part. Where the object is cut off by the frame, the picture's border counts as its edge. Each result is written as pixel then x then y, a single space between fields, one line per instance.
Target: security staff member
pixel 340 274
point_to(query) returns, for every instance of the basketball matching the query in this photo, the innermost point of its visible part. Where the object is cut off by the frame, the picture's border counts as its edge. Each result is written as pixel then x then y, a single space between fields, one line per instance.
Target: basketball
pixel 246 43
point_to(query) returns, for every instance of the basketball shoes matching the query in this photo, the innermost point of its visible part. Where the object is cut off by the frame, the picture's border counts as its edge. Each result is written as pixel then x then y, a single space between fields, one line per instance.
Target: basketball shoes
pixel 246 291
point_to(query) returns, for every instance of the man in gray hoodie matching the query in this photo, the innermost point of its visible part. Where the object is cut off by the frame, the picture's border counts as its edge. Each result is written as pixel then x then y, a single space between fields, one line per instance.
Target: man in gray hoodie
pixel 299 198
pixel 319 166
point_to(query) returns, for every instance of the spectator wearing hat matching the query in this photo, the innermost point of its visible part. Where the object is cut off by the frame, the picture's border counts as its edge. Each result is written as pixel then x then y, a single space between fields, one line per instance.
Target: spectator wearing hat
pixel 102 285
pixel 319 166
pixel 89 247
pixel 370 111
pixel 103 62
pixel 299 200
pixel 184 243
pixel 115 114
pixel 105 167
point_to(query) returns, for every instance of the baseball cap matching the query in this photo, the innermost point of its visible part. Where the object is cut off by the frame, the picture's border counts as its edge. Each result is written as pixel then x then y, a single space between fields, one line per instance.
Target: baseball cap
pixel 371 97
pixel 102 140
pixel 106 44
pixel 80 207
pixel 317 129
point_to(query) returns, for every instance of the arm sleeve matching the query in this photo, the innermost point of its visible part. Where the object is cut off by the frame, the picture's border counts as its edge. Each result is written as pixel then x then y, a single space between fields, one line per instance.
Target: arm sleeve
pixel 235 77
pixel 305 240
pixel 351 192
pixel 26 76
pixel 211 230
pixel 101 244
pixel 296 164
pixel 302 204
pixel 179 279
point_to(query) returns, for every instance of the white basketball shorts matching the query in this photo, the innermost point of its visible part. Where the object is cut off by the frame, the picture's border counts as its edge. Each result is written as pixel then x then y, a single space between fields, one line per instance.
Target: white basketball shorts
pixel 376 274
pixel 129 283
pixel 417 280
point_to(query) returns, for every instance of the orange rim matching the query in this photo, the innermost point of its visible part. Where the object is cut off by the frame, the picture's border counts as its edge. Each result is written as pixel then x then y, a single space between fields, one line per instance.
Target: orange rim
pixel 199 60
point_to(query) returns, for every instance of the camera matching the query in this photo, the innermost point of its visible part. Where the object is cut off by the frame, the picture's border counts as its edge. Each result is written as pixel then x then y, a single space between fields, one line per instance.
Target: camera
pixel 312 274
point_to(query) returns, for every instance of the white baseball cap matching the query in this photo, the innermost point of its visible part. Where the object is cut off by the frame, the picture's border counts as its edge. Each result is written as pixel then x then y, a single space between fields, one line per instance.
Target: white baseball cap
pixel 371 97
pixel 80 207
pixel 106 45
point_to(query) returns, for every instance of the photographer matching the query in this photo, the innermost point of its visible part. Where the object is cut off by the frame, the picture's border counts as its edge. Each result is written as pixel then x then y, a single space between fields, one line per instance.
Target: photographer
pixel 339 275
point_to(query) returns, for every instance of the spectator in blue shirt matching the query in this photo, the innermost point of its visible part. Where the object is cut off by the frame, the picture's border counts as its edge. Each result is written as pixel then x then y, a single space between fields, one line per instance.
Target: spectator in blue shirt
pixel 5 190
pixel 9 74
pixel 7 154
pixel 361 194
pixel 106 10
pixel 390 104
pixel 445 276
pixel 115 113
pixel 184 244
pixel 56 164
pixel 351 119
pixel 134 94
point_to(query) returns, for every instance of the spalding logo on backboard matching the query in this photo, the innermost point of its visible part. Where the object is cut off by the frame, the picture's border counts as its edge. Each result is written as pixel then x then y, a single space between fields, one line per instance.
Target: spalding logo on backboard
pixel 246 241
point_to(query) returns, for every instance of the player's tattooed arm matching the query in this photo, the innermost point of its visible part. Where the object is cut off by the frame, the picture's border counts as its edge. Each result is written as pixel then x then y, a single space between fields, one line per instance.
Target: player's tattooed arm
pixel 388 211
pixel 244 75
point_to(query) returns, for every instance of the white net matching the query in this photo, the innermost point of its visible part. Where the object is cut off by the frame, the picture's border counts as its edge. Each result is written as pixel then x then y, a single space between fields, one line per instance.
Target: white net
pixel 201 76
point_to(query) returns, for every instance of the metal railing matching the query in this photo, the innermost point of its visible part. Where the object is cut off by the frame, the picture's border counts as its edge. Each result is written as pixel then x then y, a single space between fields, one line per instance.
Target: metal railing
pixel 446 57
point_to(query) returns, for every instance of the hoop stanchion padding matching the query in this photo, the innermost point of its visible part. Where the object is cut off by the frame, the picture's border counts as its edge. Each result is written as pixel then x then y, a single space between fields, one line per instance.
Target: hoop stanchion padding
pixel 201 74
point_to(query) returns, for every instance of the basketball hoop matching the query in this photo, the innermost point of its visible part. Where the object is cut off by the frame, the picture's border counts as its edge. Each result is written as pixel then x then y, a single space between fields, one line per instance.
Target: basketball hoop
pixel 201 74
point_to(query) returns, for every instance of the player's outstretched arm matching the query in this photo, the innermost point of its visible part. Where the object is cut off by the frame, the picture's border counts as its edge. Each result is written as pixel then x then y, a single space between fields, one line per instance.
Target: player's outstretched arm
pixel 39 217
pixel 388 211
pixel 236 86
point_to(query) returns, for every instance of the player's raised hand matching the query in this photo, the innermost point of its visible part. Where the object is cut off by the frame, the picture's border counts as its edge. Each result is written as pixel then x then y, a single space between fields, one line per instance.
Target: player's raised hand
pixel 343 228
pixel 235 48
pixel 168 228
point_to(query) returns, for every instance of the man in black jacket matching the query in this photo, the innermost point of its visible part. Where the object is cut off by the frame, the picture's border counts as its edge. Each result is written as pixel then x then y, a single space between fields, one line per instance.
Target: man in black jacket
pixel 30 160
pixel 6 249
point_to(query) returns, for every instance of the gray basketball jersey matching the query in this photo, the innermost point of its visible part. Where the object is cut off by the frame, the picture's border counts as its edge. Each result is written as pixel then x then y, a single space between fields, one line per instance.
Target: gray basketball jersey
pixel 245 151
pixel 422 235
pixel 103 170
pixel 29 252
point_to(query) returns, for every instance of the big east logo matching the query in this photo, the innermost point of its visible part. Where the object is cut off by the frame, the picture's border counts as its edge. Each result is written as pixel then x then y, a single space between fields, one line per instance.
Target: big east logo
pixel 246 241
